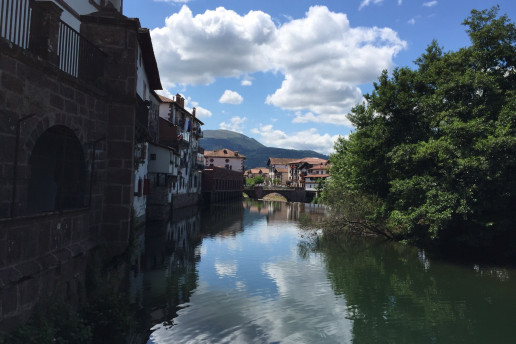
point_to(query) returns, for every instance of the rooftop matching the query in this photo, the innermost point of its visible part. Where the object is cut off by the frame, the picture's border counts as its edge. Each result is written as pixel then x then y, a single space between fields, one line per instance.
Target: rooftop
pixel 279 161
pixel 223 153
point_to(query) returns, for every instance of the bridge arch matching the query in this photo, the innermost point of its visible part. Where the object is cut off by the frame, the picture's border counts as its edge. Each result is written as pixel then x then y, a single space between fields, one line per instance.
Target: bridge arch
pixel 291 194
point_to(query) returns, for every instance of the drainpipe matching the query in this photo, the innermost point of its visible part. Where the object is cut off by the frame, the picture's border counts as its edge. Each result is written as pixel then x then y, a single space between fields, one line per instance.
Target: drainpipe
pixel 15 164
pixel 92 170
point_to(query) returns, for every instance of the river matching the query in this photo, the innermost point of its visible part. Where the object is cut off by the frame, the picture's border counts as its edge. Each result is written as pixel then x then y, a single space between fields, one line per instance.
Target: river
pixel 247 273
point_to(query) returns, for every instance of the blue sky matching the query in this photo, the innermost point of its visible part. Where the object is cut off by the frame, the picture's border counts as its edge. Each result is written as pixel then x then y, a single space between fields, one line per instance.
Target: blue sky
pixel 286 72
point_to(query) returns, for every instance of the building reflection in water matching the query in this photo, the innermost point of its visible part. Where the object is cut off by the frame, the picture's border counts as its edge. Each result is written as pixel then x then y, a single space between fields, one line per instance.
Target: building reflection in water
pixel 166 254
pixel 283 212
pixel 164 263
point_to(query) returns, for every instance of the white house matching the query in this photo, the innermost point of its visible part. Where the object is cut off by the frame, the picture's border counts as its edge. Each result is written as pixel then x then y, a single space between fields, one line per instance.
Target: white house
pixel 315 176
pixel 225 158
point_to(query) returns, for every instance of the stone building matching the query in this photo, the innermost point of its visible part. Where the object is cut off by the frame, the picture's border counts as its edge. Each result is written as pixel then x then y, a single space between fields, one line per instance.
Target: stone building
pixel 221 184
pixel 75 103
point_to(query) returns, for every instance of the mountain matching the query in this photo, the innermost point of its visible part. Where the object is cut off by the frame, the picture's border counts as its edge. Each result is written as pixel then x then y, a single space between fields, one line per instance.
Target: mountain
pixel 256 154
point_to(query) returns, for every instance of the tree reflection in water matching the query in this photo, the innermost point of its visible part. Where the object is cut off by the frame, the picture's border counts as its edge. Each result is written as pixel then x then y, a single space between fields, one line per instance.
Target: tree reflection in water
pixel 396 294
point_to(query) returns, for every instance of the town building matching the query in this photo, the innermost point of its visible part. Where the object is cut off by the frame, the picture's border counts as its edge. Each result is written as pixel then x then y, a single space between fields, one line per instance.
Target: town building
pixel 225 158
pixel 298 170
pixel 278 170
pixel 316 176
pixel 221 184
pixel 258 171
pixel 82 144
pixel 176 159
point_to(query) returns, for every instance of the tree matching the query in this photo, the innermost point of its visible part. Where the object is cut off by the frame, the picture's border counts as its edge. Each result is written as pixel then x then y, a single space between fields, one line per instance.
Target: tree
pixel 254 180
pixel 433 156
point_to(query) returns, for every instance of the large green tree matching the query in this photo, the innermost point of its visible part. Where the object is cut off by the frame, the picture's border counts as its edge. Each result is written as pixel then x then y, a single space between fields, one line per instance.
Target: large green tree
pixel 433 155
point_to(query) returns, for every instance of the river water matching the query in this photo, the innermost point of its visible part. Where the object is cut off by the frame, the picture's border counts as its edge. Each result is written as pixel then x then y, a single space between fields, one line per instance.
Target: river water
pixel 247 273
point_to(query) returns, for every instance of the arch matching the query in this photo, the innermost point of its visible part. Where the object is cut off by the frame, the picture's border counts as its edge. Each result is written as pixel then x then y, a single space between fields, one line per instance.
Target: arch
pixel 57 172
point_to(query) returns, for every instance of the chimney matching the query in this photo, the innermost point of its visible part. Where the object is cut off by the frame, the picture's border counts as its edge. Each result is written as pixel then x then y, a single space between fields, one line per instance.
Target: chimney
pixel 180 100
pixel 193 112
pixel 236 153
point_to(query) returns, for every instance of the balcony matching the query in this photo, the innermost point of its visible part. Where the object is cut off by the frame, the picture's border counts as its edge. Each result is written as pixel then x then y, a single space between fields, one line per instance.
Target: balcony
pixel 36 26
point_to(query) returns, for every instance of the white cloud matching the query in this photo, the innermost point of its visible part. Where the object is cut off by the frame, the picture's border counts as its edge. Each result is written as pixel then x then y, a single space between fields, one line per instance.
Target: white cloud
pixel 197 49
pixel 231 97
pixel 412 21
pixel 367 2
pixel 226 269
pixel 323 59
pixel 307 139
pixel 322 118
pixel 200 112
pixel 247 80
pixel 235 124
pixel 430 3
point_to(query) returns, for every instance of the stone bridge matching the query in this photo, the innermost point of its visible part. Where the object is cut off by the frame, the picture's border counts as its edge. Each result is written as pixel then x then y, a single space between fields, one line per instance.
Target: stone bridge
pixel 291 194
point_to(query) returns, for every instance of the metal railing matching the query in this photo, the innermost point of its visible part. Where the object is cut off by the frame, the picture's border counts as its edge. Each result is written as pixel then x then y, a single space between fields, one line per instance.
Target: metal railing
pixel 15 21
pixel 78 56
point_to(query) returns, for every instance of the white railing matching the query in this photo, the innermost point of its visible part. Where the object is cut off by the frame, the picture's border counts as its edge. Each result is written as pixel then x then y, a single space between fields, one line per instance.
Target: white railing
pixel 15 21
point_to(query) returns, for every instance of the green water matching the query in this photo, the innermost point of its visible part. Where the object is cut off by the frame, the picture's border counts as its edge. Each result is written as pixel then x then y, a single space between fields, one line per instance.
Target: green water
pixel 247 273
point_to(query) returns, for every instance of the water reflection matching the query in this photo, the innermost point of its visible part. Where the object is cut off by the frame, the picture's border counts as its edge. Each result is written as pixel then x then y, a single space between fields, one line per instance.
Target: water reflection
pixel 396 295
pixel 253 286
pixel 246 273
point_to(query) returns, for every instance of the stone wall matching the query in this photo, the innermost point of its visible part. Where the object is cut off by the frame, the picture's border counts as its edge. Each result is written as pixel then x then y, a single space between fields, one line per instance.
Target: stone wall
pixel 220 184
pixel 43 258
pixel 45 253
pixel 184 200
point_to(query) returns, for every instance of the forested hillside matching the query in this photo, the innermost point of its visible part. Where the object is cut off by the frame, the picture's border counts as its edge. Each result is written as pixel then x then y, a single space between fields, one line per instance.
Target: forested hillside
pixel 256 154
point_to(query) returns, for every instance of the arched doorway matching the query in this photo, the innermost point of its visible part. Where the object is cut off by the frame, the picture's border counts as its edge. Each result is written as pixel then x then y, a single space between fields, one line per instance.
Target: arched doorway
pixel 58 172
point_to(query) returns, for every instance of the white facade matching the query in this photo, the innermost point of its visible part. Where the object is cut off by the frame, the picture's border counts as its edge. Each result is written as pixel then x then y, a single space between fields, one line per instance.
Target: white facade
pixel 225 158
pixel 140 180
pixel 162 160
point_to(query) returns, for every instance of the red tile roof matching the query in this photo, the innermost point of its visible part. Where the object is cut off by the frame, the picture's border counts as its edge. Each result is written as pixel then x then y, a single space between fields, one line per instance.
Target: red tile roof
pixel 320 167
pixel 223 153
pixel 279 161
pixel 165 99
pixel 258 170
pixel 317 176
pixel 311 161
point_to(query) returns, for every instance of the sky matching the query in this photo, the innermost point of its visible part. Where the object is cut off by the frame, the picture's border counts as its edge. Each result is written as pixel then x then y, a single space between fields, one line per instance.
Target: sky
pixel 286 72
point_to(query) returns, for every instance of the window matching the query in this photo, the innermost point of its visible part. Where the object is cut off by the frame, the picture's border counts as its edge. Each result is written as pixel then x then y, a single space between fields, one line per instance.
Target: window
pixel 153 156
pixel 227 160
